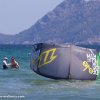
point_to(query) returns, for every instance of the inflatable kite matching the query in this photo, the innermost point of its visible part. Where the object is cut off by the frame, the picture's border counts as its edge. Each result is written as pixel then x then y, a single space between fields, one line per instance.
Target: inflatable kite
pixel 65 61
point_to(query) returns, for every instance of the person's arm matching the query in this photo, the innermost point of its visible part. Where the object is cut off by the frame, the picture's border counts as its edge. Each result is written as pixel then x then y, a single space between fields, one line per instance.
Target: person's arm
pixel 17 64
pixel 9 65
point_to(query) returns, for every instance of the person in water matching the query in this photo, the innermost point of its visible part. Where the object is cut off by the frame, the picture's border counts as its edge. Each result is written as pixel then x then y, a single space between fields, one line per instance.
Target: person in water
pixel 5 64
pixel 14 63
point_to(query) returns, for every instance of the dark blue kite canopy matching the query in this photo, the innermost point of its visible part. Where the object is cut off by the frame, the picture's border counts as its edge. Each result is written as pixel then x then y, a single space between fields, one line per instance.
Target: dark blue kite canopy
pixel 64 61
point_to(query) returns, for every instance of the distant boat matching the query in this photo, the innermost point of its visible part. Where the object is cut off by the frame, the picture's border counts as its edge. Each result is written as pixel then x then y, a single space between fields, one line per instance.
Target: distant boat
pixel 64 61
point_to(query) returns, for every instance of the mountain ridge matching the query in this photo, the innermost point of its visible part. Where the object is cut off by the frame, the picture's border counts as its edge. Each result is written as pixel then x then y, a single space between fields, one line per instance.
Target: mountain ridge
pixel 72 21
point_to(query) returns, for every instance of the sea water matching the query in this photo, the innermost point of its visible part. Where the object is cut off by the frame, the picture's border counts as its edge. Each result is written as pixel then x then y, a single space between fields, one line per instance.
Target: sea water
pixel 24 84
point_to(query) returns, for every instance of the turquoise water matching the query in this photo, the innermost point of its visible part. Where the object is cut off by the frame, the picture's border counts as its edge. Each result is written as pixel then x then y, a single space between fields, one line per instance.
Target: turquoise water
pixel 24 82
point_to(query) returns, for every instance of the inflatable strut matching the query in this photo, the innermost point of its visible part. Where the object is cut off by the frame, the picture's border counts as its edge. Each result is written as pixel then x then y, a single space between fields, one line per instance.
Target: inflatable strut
pixel 65 61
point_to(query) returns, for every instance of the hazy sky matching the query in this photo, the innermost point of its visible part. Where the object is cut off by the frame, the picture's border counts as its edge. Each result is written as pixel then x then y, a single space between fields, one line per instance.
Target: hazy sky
pixel 18 15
